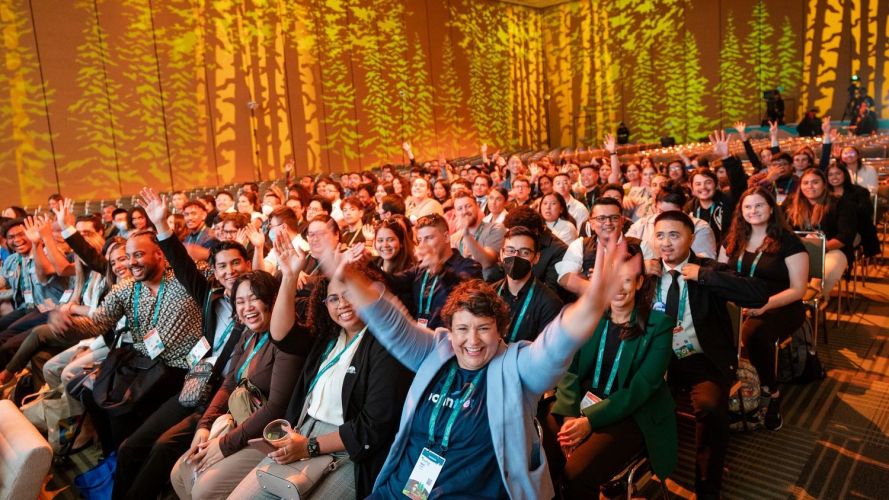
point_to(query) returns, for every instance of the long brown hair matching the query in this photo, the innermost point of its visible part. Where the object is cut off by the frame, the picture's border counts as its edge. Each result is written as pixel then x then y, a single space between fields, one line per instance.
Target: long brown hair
pixel 740 230
pixel 805 214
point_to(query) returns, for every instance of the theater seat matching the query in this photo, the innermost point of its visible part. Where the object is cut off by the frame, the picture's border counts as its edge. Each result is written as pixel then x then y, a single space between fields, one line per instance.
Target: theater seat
pixel 25 457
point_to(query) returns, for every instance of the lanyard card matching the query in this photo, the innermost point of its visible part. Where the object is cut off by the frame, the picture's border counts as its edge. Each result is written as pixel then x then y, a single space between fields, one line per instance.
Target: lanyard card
pixel 682 345
pixel 422 322
pixel 422 479
pixel 589 400
pixel 197 352
pixel 29 297
pixel 153 343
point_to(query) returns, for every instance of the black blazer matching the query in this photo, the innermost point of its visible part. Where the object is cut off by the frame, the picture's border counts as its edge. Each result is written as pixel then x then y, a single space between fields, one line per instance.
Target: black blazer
pixel 205 294
pixel 93 259
pixel 707 298
pixel 373 396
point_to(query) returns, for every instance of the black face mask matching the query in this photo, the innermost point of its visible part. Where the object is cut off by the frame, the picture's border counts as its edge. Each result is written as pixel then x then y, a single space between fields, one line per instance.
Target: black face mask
pixel 516 267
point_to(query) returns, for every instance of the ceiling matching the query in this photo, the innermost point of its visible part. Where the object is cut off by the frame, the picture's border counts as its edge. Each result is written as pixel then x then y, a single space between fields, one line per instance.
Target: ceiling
pixel 537 4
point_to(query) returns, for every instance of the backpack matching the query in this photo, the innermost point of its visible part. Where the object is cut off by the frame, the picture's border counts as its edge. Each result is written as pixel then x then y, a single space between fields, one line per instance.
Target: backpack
pixel 799 363
pixel 744 404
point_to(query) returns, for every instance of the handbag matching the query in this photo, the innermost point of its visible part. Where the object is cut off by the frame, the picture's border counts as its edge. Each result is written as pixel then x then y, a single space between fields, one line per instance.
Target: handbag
pixel 125 378
pixel 294 480
pixel 244 401
pixel 744 405
pixel 98 482
pixel 201 379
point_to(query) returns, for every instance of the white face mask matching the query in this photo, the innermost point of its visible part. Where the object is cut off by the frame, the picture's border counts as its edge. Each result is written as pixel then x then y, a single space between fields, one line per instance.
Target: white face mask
pixel 120 225
pixel 267 210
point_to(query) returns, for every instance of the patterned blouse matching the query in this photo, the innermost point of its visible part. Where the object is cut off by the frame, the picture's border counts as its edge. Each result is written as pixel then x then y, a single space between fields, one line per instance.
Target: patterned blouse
pixel 178 323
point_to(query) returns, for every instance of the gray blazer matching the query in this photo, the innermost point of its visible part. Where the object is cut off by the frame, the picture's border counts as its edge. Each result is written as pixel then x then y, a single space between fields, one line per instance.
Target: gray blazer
pixel 516 378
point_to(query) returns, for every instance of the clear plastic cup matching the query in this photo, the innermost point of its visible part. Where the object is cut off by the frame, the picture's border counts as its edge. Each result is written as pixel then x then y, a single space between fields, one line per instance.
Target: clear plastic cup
pixel 276 432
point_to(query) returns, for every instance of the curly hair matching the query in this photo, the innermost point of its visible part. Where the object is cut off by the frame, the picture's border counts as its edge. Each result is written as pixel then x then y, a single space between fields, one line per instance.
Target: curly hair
pixel 319 320
pixel 480 299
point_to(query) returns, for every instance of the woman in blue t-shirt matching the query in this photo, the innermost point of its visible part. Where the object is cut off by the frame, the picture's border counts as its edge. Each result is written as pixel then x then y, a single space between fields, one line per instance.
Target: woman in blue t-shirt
pixel 467 427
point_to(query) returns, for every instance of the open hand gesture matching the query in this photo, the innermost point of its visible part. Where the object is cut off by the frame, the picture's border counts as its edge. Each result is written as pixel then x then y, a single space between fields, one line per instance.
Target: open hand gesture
pixel 719 139
pixel 610 143
pixel 605 281
pixel 825 129
pixel 253 235
pixel 65 213
pixel 368 232
pixel 741 127
pixel 155 206
pixel 33 227
pixel 291 260
pixel 773 130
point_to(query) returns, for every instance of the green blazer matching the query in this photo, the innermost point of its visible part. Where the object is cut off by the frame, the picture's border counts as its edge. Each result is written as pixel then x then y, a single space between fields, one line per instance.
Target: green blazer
pixel 642 392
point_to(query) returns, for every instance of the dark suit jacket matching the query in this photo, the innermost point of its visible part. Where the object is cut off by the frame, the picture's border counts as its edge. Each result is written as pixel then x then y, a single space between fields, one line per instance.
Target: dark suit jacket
pixel 716 285
pixel 373 395
pixel 642 394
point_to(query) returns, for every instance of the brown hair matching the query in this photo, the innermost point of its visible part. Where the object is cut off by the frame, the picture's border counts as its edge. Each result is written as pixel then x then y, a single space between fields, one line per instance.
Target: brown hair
pixel 739 232
pixel 805 214
pixel 478 298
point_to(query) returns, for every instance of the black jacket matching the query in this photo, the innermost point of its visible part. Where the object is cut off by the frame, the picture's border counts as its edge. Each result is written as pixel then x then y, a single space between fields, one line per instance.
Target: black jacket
pixel 373 395
pixel 707 298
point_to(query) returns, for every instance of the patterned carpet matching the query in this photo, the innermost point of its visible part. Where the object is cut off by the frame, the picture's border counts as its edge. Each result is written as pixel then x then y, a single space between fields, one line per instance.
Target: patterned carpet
pixel 834 441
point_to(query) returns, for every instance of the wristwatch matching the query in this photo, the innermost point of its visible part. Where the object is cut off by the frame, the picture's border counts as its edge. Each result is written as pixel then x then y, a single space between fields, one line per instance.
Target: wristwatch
pixel 313 448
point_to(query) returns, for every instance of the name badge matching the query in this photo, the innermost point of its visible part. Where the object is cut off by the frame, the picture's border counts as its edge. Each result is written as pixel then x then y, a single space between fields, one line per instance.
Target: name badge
pixel 197 352
pixel 422 479
pixel 66 296
pixel 589 400
pixel 423 322
pixel 29 297
pixel 153 343
pixel 682 345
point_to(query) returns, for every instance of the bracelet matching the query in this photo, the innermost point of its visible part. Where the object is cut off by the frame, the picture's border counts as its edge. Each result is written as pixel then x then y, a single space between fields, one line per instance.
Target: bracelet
pixel 614 153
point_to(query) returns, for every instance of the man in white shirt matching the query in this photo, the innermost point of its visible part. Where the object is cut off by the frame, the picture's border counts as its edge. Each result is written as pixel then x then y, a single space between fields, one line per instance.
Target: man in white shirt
pixel 671 197
pixel 606 221
pixel 562 185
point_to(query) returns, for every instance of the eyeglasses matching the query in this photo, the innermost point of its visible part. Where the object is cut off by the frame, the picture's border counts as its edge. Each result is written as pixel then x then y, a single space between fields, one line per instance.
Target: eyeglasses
pixel 316 235
pixel 602 219
pixel 525 253
pixel 333 300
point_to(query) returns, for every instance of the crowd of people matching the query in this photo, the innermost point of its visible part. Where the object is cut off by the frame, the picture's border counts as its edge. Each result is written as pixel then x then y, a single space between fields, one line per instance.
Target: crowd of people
pixel 504 328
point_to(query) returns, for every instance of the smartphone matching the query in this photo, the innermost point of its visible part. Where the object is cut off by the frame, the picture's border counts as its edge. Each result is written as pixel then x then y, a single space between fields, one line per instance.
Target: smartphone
pixel 261 445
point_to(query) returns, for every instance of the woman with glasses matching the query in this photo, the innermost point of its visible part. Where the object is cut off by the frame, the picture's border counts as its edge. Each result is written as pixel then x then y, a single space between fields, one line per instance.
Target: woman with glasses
pixel 614 403
pixel 348 396
pixel 219 459
pixel 760 244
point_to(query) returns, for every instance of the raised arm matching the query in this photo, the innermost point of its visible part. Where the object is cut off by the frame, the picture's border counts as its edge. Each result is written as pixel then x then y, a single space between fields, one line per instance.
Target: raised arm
pixel 89 255
pixel 291 261
pixel 826 143
pixel 385 317
pixel 611 147
pixel 42 267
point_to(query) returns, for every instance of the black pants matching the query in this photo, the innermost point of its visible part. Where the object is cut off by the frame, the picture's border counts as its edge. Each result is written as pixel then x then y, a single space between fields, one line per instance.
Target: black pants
pixel 709 390
pixel 594 461
pixel 759 334
pixel 145 459
pixel 113 430
pixel 12 337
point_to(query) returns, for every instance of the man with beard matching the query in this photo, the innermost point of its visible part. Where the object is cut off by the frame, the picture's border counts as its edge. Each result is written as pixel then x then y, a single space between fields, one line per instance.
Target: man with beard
pixel 146 457
pixel 532 304
pixel 475 239
pixel 164 323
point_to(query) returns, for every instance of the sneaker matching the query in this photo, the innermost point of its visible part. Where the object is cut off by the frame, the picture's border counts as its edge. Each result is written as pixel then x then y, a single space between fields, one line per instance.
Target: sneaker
pixel 773 420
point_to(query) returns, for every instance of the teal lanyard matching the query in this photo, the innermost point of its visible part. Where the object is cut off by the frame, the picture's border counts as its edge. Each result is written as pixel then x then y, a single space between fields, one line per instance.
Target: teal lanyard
pixel 455 410
pixel 193 238
pixel 222 338
pixel 262 341
pixel 84 294
pixel 335 359
pixel 752 266
pixel 431 293
pixel 680 313
pixel 522 311
pixel 476 235
pixel 157 304
pixel 709 212
pixel 598 372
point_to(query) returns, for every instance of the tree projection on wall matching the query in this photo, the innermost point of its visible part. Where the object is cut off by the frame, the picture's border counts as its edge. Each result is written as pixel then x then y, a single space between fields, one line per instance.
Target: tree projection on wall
pixel 159 90
pixel 25 148
pixel 95 137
